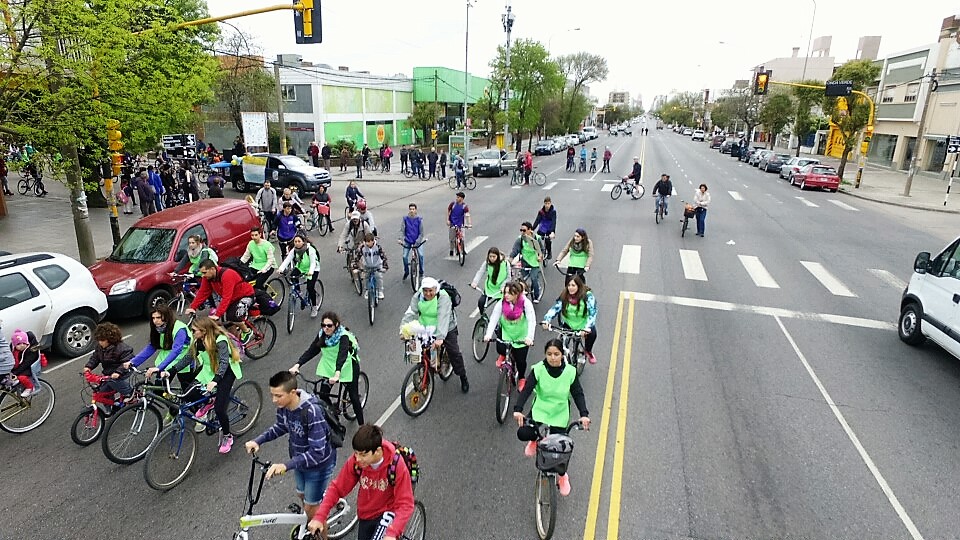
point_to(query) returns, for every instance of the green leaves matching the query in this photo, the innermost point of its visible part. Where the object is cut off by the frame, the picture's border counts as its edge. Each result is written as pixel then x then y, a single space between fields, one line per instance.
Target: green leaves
pixel 777 112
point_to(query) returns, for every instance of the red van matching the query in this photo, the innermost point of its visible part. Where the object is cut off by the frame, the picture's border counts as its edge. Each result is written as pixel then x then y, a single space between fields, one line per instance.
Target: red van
pixel 134 277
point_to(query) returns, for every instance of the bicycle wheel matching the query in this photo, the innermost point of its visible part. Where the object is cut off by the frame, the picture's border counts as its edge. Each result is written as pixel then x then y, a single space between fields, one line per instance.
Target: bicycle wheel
pixel 246 400
pixel 504 391
pixel 480 347
pixel 320 292
pixel 452 182
pixel 539 178
pixel 445 369
pixel 87 427
pixel 310 223
pixel 577 357
pixel 363 388
pixel 38 189
pixel 322 226
pixel 357 280
pixel 277 289
pixel 343 519
pixel 417 390
pixel 543 284
pixel 416 528
pixel 170 456
pixel 414 271
pixel 261 347
pixel 461 251
pixel 638 189
pixel 128 434
pixel 23 186
pixel 658 213
pixel 291 312
pixel 683 227
pixel 371 304
pixel 20 415
pixel 470 182
pixel 615 192
pixel 546 501
pixel 178 303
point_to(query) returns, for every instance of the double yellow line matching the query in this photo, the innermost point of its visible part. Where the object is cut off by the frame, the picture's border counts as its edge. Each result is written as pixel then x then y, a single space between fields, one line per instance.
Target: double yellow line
pixel 593 510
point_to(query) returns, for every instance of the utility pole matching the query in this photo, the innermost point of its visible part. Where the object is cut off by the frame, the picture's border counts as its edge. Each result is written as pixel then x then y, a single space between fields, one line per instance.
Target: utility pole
pixel 283 126
pixel 918 151
pixel 466 87
pixel 508 20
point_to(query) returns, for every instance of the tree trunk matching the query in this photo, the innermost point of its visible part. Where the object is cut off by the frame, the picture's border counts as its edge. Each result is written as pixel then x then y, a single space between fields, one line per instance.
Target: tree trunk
pixel 843 162
pixel 78 203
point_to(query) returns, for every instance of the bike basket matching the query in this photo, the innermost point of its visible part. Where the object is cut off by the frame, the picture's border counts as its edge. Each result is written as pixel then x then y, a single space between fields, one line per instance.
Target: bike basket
pixel 323 209
pixel 553 453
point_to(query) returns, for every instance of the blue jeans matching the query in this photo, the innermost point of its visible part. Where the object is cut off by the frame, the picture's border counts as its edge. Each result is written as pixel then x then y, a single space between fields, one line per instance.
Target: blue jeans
pixel 406 258
pixel 311 483
pixel 534 274
pixel 701 220
pixel 666 202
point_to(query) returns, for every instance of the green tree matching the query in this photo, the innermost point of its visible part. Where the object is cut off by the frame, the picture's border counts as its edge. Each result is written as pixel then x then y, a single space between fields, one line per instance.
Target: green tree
pixel 804 123
pixel 486 111
pixel 721 115
pixel 533 77
pixel 776 113
pixel 852 120
pixel 424 116
pixel 243 85
pixel 578 70
pixel 744 107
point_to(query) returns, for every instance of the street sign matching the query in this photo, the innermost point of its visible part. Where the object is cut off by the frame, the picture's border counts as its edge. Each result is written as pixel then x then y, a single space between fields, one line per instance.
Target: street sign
pixel 181 145
pixel 953 144
pixel 838 88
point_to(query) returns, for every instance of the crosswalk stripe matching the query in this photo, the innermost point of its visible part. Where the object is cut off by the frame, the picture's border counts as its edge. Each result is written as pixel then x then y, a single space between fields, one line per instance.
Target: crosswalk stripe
pixel 674 192
pixel 474 242
pixel 488 186
pixel 808 203
pixel 843 205
pixel 827 279
pixel 692 266
pixel 630 259
pixel 889 278
pixel 607 187
pixel 758 273
pixel 551 185
pixel 736 195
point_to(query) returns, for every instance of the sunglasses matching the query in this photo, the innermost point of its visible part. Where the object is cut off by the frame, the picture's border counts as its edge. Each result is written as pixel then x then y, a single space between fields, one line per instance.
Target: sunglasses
pixel 328 325
pixel 523 230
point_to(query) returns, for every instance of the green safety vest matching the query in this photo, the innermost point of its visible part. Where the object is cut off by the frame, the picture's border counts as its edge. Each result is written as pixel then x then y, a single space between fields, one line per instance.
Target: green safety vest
pixel 578 259
pixel 575 316
pixel 259 254
pixel 529 251
pixel 552 405
pixel 491 289
pixel 514 331
pixel 327 366
pixel 303 265
pixel 428 310
pixel 165 347
pixel 195 261
pixel 206 370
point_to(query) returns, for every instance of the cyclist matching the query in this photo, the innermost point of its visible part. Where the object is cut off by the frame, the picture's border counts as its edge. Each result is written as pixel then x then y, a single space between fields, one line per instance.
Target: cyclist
pixel 304 262
pixel 259 254
pixel 373 259
pixel 366 216
pixel 322 198
pixel 494 273
pixel 635 172
pixel 339 359
pixel 291 196
pixel 112 355
pixel 554 382
pixel 580 248
pixel 31 169
pixel 570 154
pixel 268 202
pixel 529 253
pixel 583 157
pixel 197 252
pixel 527 167
pixel 516 321
pixel 593 160
pixel 577 308
pixel 170 340
pixel 432 307
pixel 353 234
pixel 352 195
pixel 458 217
pixel 546 225
pixel 662 191
pixel 385 486
pixel 411 234
pixel 459 170
pixel 312 458
pixel 607 154
pixel 236 295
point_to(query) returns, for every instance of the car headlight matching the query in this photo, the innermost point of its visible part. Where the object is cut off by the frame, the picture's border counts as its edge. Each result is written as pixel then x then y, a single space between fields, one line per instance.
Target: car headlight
pixel 123 287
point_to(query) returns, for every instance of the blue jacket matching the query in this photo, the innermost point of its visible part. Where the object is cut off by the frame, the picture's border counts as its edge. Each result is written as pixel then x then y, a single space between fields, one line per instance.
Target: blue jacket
pixel 411 230
pixel 287 226
pixel 353 195
pixel 307 428
pixel 547 220
pixel 155 181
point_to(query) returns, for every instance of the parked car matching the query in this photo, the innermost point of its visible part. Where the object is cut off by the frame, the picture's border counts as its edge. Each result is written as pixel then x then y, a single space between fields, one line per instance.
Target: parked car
pixel 773 162
pixel 53 296
pixel 736 150
pixel 283 170
pixel 491 162
pixel 793 166
pixel 687 132
pixel 559 144
pixel 591 132
pixel 573 140
pixel 698 135
pixel 626 129
pixel 928 304
pixel 758 155
pixel 726 145
pixel 746 156
pixel 544 148
pixel 134 277
pixel 817 175
pixel 717 142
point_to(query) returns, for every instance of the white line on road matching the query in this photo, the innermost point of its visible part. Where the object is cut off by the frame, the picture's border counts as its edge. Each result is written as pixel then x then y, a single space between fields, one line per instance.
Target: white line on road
pixel 474 313
pixel 889 278
pixel 758 272
pixel 488 186
pixel 808 203
pixel 607 187
pixel 692 266
pixel 567 179
pixel 389 412
pixel 614 180
pixel 474 242
pixel 549 186
pixel 763 310
pixel 72 360
pixel 516 187
pixel 630 259
pixel 827 279
pixel 843 205
pixel 867 460
pixel 736 195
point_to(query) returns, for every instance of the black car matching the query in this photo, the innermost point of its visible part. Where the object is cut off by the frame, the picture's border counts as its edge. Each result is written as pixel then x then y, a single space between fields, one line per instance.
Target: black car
pixel 736 150
pixel 544 148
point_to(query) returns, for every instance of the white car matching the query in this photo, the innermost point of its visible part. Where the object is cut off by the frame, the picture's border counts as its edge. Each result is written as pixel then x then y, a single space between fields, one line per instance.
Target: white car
pixel 688 132
pixel 928 305
pixel 573 140
pixel 52 296
pixel 591 132
pixel 697 135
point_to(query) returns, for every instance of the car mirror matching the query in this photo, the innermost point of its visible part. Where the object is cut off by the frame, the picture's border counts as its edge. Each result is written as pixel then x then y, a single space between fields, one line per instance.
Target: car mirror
pixel 922 263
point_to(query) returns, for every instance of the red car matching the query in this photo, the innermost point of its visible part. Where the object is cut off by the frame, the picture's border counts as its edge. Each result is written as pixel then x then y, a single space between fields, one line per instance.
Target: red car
pixel 817 176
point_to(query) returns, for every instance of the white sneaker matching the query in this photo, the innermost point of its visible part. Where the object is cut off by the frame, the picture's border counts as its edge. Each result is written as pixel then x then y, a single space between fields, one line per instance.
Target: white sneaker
pixel 27 392
pixel 365 295
pixel 379 295
pixel 314 312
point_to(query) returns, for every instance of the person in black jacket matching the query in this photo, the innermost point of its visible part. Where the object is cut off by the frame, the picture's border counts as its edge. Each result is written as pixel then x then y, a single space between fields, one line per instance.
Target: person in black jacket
pixel 112 355
pixel 662 190
pixel 546 225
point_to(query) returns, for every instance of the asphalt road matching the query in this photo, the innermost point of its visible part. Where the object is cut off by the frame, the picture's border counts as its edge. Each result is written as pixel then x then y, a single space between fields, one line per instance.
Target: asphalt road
pixel 750 383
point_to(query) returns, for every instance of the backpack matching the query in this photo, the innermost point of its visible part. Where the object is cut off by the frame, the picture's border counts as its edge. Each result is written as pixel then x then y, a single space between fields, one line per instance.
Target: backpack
pixel 234 263
pixel 409 457
pixel 335 429
pixel 451 292
pixel 268 306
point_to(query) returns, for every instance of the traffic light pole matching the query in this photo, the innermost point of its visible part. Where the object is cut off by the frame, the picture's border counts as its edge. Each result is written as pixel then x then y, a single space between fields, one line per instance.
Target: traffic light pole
pixel 299 6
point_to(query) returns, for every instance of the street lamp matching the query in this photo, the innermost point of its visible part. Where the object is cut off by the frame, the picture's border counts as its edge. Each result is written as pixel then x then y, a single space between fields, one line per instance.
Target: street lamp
pixel 466 83
pixel 550 39
pixel 813 18
pixel 508 19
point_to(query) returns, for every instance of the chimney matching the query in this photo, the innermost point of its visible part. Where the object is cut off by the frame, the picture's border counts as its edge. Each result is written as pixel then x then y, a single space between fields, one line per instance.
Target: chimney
pixel 796 51
pixel 344 68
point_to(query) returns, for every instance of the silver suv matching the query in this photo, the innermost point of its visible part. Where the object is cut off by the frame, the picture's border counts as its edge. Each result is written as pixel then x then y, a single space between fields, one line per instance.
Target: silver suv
pixel 929 303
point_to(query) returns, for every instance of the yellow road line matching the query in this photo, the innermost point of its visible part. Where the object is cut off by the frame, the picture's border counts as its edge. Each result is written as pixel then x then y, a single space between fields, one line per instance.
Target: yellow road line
pixel 613 519
pixel 590 529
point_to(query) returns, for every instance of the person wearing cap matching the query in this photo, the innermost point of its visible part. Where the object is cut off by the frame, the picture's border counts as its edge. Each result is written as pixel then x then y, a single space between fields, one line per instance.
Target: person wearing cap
pixel 635 173
pixel 432 307
pixel 287 224
pixel 353 233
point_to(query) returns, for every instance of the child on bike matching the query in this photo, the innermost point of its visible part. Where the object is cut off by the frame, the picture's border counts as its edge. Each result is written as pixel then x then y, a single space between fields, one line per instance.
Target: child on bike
pixel 111 354
pixel 554 382
pixel 515 318
pixel 385 486
pixel 304 264
pixel 577 309
pixel 373 259
pixel 593 159
pixel 25 350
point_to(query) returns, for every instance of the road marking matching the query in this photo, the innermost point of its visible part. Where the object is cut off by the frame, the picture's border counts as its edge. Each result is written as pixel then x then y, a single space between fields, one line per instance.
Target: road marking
pixel 614 180
pixel 736 195
pixel 758 273
pixel 630 259
pixel 843 205
pixel 616 486
pixel 607 187
pixel 488 186
pixel 827 279
pixel 867 460
pixel 567 179
pixel 858 322
pixel 72 360
pixel 473 243
pixel 778 201
pixel 575 189
pixel 692 266
pixel 388 413
pixel 889 278
pixel 474 313
pixel 808 203
pixel 674 192
pixel 593 507
pixel 746 186
pixel 549 186
pixel 516 187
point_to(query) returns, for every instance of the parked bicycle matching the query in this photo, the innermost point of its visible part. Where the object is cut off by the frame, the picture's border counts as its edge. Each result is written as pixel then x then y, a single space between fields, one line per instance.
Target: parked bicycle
pixel 636 191
pixel 418 384
pixel 19 414
pixel 31 183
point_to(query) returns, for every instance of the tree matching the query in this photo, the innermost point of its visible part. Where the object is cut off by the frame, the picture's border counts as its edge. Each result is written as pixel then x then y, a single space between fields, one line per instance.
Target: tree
pixel 721 115
pixel 745 107
pixel 578 70
pixel 487 110
pixel 533 77
pixel 424 116
pixel 776 113
pixel 805 123
pixel 243 84
pixel 854 118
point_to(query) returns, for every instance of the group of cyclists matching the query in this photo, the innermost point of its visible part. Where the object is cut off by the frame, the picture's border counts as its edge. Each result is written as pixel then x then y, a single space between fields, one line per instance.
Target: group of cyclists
pixel 573 167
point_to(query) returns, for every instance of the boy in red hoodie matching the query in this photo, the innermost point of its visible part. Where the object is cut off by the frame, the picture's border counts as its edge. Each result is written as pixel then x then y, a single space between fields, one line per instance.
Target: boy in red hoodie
pixel 377 462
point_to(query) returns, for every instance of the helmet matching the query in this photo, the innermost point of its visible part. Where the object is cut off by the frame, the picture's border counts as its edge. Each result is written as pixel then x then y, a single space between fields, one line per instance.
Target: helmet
pixel 362 205
pixel 355 215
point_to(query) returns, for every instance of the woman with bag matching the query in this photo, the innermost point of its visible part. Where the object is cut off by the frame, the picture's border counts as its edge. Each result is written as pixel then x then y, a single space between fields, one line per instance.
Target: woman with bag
pixel 701 201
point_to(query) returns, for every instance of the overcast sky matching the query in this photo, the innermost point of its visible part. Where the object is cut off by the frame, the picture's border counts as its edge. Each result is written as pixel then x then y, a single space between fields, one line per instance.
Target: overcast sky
pixel 651 48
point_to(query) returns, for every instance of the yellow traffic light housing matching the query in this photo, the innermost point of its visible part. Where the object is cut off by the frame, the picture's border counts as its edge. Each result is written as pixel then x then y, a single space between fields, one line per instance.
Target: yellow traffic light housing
pixel 762 83
pixel 116 160
pixel 306 21
pixel 114 135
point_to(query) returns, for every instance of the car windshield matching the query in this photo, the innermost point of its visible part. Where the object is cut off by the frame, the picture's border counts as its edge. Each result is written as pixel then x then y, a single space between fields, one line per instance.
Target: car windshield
pixel 545 143
pixel 144 246
pixel 489 154
pixel 822 170
pixel 292 162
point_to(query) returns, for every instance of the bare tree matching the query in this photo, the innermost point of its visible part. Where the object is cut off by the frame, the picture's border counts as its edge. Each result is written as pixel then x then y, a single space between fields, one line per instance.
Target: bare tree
pixel 243 84
pixel 578 70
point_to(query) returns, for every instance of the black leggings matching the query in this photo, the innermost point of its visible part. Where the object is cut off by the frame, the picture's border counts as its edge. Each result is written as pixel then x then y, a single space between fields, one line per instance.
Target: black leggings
pixel 222 396
pixel 588 340
pixel 519 358
pixel 353 390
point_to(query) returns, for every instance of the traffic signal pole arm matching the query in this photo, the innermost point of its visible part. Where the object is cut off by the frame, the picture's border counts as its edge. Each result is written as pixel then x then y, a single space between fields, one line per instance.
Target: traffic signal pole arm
pixel 299 6
pixel 873 106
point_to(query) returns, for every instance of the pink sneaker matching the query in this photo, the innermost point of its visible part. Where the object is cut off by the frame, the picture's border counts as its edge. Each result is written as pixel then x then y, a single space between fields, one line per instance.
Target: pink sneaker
pixel 500 360
pixel 202 412
pixel 564 483
pixel 591 358
pixel 226 443
pixel 531 449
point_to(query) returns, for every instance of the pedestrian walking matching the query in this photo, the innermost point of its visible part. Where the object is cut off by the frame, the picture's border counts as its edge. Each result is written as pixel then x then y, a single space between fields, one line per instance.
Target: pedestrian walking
pixel 154 178
pixel 359 161
pixel 432 158
pixel 443 164
pixel 403 159
pixel 147 194
pixel 314 153
pixel 325 155
pixel 701 200
pixel 344 159
pixel 129 195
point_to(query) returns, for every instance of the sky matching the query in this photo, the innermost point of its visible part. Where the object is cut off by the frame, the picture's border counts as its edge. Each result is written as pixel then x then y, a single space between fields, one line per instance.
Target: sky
pixel 651 48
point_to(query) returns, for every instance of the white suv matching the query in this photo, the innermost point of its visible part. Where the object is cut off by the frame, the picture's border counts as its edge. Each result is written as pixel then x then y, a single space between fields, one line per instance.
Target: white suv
pixel 697 135
pixel 929 303
pixel 52 296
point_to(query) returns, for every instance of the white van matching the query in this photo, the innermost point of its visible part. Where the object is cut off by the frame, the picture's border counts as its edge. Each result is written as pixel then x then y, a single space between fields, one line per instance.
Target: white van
pixel 928 308
pixel 590 132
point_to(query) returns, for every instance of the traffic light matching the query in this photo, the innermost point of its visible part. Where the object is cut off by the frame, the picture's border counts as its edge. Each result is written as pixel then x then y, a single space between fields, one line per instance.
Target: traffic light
pixel 762 83
pixel 306 22
pixel 433 134
pixel 113 136
pixel 117 161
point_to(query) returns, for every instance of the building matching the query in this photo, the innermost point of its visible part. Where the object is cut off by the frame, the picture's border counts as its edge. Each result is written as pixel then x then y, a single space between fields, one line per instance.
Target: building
pixel 617 97
pixel 445 87
pixel 819 66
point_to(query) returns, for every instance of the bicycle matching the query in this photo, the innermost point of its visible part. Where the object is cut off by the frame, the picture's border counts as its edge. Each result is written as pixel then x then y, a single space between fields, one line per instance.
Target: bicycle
pixel 631 189
pixel 20 414
pixel 571 167
pixel 341 522
pixel 688 212
pixel 262 337
pixel 459 246
pixel 176 446
pixel 661 209
pixel 373 293
pixel 353 271
pixel 480 347
pixel 340 399
pixel 506 382
pixel 593 165
pixel 408 172
pixel 516 179
pixel 298 298
pixel 583 165
pixel 468 182
pixel 570 272
pixel 539 178
pixel 187 286
pixel 552 459
pixel 128 434
pixel 518 272
pixel 414 265
pixel 89 424
pixel 317 218
pixel 573 347
pixel 350 207
pixel 418 385
pixel 30 182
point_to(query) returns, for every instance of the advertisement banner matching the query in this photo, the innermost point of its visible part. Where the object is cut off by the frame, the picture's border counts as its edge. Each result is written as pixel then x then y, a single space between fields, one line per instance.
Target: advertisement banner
pixel 254 128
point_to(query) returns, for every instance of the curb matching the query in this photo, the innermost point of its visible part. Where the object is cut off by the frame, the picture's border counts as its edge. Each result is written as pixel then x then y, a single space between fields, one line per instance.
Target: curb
pixel 900 204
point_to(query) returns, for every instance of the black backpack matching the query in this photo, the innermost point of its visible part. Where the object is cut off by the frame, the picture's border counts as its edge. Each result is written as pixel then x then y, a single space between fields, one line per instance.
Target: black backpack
pixel 234 263
pixel 451 292
pixel 336 431
pixel 268 306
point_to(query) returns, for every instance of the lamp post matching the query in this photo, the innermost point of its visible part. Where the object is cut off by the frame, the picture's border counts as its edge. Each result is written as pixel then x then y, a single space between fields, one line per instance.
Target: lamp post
pixel 508 20
pixel 466 85
pixel 813 18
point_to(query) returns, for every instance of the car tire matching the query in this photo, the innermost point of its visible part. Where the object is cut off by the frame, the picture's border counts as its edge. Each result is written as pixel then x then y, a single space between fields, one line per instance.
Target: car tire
pixel 156 296
pixel 908 325
pixel 240 185
pixel 803 184
pixel 73 335
pixel 500 172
